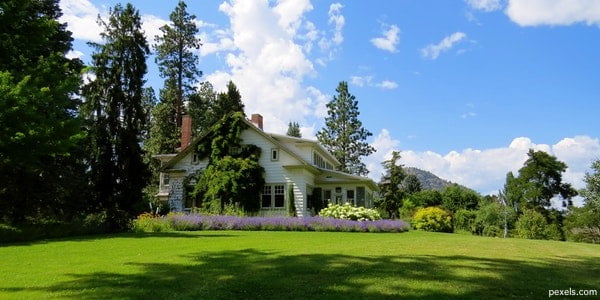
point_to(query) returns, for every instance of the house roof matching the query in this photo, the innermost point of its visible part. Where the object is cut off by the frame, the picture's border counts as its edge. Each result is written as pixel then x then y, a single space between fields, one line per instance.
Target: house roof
pixel 169 160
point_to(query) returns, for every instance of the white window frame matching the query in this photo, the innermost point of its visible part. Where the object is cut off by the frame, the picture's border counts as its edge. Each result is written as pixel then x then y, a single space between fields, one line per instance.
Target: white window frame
pixel 275 189
pixel 274 154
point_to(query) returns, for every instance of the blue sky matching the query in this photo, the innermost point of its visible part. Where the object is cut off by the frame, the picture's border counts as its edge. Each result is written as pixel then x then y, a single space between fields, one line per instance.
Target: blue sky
pixel 462 88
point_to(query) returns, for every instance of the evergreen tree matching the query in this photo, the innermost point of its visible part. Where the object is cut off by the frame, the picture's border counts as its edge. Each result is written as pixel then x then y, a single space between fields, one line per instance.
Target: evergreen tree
pixel 390 187
pixel 294 130
pixel 228 102
pixel 115 108
pixel 201 108
pixel 343 134
pixel 412 184
pixel 39 129
pixel 178 64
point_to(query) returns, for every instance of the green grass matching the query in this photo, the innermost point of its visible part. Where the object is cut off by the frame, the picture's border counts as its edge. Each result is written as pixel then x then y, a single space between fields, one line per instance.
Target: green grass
pixel 287 265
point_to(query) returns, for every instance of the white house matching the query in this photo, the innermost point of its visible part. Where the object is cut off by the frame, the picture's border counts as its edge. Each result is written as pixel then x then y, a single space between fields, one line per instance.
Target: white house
pixel 302 164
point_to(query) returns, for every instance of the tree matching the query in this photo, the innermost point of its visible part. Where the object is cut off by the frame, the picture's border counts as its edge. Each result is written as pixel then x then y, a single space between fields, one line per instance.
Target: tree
pixel 390 189
pixel 201 108
pixel 178 64
pixel 228 102
pixel 540 180
pixel 294 130
pixel 39 128
pixel 343 134
pixel 583 223
pixel 411 184
pixel 456 197
pixel 115 110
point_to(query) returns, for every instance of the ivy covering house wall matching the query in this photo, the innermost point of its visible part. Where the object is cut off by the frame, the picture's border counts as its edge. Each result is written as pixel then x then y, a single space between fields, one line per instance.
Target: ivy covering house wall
pixel 233 176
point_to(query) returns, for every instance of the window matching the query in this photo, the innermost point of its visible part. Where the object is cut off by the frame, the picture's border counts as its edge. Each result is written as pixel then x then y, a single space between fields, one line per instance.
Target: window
pixel 273 196
pixel 235 151
pixel 274 154
pixel 279 196
pixel 350 196
pixel 195 158
pixel 360 196
pixel 165 179
pixel 327 195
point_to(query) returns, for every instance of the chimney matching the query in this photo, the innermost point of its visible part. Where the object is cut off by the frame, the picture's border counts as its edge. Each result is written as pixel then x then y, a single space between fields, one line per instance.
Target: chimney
pixel 257 120
pixel 186 131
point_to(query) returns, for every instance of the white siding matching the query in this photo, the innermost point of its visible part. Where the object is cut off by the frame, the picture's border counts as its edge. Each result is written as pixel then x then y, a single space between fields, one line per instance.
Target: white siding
pixel 274 171
pixel 301 179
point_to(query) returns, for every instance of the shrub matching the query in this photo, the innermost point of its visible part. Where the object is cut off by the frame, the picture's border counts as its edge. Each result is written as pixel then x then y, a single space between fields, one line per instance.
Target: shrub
pixel 407 210
pixel 147 222
pixel 432 219
pixel 531 225
pixel 583 225
pixel 349 212
pixel 465 220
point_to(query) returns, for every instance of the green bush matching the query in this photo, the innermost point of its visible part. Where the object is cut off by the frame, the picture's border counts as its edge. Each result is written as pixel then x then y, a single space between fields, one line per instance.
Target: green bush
pixel 432 219
pixel 583 225
pixel 531 225
pixel 349 212
pixel 464 220
pixel 407 210
pixel 147 222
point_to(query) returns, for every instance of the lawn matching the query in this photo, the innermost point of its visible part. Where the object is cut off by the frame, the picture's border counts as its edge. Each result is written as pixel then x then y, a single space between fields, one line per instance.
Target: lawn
pixel 247 264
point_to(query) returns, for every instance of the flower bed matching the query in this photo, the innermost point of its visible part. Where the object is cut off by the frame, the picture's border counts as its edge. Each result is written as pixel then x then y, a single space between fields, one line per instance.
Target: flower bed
pixel 193 222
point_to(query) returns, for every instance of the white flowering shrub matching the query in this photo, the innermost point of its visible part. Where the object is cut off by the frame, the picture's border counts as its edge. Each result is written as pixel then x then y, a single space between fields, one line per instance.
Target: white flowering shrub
pixel 349 212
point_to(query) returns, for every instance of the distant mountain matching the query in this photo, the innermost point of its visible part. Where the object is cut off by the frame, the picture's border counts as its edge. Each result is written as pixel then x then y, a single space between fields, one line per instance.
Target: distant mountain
pixel 429 181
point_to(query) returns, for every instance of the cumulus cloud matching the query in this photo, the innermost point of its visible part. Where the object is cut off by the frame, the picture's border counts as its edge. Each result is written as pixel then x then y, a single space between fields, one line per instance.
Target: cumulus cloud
pixel 338 21
pixel 74 54
pixel 485 5
pixel 485 170
pixel 557 12
pixel 266 58
pixel 81 17
pixel 433 51
pixel 389 40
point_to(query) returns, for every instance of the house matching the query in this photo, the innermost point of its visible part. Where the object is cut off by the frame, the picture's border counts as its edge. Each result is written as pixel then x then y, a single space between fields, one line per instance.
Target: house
pixel 302 165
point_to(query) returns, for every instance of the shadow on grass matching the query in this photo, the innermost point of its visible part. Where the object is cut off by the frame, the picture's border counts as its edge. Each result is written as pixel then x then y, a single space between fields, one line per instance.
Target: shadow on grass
pixel 252 274
pixel 133 235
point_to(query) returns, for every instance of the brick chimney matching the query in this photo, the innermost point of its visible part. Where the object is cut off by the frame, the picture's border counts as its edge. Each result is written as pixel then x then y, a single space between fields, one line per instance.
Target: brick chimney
pixel 257 120
pixel 186 131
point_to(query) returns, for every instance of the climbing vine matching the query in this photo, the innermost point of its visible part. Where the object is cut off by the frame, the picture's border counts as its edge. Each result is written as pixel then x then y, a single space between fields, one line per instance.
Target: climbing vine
pixel 233 176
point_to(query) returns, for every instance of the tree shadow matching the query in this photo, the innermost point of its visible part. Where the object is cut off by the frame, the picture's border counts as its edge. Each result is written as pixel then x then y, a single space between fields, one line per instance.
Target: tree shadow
pixel 252 274
pixel 130 235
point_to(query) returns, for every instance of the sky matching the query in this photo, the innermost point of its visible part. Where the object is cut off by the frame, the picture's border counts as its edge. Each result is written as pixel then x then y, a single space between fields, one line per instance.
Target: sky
pixel 462 88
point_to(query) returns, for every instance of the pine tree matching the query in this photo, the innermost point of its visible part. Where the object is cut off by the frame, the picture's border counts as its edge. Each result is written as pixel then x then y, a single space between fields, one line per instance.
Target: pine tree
pixel 343 134
pixel 390 187
pixel 115 108
pixel 294 130
pixel 228 102
pixel 178 64
pixel 39 128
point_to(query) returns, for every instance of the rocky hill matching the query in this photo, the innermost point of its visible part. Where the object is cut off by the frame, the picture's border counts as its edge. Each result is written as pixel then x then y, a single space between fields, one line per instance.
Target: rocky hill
pixel 429 181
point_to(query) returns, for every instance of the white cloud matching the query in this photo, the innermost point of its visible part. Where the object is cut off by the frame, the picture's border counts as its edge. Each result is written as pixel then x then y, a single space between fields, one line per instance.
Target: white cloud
pixel 389 40
pixel 367 80
pixel 556 12
pixel 81 17
pixel 74 54
pixel 485 170
pixel 151 26
pixel 485 5
pixel 432 51
pixel 337 19
pixel 265 58
pixel 361 80
pixel 387 85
